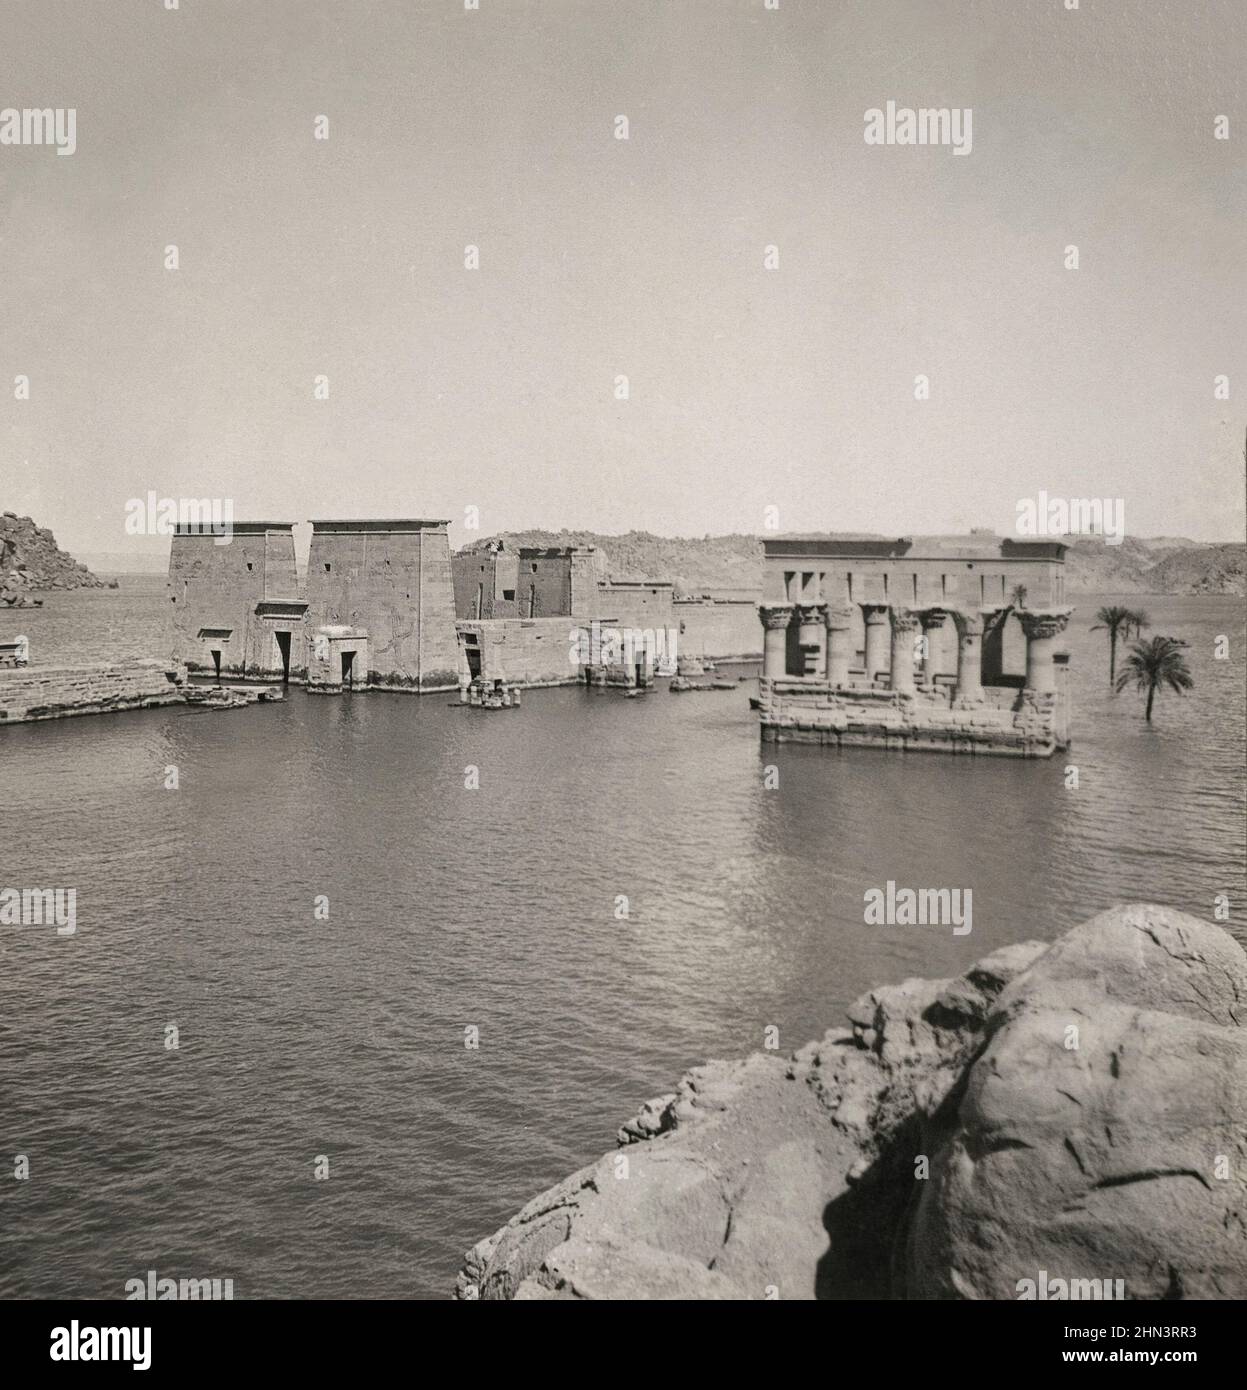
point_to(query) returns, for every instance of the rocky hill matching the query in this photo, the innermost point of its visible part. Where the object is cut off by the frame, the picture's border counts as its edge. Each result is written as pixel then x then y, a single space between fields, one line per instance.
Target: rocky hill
pixel 30 559
pixel 1209 569
pixel 1066 1114
pixel 1164 566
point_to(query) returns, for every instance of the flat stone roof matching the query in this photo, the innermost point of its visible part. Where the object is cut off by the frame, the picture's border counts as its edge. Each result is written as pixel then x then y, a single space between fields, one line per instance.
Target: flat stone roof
pixel 973 547
pixel 380 524
pixel 247 527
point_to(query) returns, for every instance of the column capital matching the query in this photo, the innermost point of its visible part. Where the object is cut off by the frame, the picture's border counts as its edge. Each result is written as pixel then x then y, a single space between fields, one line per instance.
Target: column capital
pixel 776 615
pixel 811 612
pixel 1040 623
pixel 876 612
pixel 904 620
pixel 969 621
pixel 933 617
pixel 839 615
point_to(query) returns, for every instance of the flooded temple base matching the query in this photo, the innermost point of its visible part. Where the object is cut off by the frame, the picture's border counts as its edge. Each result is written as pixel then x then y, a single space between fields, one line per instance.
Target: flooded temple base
pixel 33 693
pixel 944 644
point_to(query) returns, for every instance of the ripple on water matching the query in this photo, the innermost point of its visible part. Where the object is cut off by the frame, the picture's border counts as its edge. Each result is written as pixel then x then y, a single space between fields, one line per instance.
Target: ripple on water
pixel 495 909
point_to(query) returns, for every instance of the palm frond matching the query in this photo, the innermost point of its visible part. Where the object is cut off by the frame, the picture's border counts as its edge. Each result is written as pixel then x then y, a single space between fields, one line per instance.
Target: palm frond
pixel 1156 664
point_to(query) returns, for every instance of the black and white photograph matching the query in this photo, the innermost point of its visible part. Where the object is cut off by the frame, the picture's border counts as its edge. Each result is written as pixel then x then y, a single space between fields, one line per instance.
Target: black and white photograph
pixel 623 665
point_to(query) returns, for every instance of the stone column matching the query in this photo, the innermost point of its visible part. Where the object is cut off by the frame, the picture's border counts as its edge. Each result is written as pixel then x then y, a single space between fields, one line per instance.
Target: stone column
pixel 812 624
pixel 904 628
pixel 969 657
pixel 934 625
pixel 1042 628
pixel 775 620
pixel 878 639
pixel 839 645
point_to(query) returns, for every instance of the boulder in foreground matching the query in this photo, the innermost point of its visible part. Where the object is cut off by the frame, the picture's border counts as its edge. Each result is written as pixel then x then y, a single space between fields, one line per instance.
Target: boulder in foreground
pixel 1072 1113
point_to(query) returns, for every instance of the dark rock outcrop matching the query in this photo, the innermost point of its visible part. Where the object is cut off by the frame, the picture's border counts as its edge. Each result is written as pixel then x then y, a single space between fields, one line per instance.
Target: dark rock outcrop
pixel 1073 1111
pixel 30 559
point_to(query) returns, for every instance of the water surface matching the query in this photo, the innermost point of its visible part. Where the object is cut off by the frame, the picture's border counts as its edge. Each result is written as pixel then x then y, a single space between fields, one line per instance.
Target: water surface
pixel 494 908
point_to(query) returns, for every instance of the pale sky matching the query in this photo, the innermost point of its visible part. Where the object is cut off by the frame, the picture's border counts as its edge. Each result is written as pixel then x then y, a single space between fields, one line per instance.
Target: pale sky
pixel 600 257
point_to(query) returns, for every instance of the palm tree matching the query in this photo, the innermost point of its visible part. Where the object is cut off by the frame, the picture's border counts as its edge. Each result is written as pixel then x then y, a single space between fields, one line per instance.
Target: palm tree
pixel 1117 622
pixel 1154 664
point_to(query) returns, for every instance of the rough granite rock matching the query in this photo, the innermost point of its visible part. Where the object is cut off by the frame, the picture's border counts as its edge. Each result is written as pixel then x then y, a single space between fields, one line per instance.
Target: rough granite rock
pixel 30 559
pixel 1093 1129
pixel 952 1142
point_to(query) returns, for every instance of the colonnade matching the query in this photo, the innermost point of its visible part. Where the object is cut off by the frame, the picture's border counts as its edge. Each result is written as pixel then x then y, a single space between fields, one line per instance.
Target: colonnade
pixel 825 630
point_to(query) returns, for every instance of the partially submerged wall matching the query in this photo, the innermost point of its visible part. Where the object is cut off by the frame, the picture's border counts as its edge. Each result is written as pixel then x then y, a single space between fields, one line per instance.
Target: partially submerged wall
pixel 57 692
pixel 337 660
pixel 393 580
pixel 718 629
pixel 216 596
pixel 1006 722
pixel 520 651
pixel 552 651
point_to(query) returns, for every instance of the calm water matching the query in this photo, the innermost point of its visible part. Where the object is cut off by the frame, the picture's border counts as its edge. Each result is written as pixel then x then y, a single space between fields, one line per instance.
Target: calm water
pixel 494 908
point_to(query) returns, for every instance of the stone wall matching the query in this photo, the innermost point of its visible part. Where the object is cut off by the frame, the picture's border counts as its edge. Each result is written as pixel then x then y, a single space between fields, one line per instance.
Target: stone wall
pixel 483 579
pixel 215 591
pixel 1006 722
pixel 520 651
pixel 543 651
pixel 543 584
pixel 393 580
pixel 325 666
pixel 56 692
pixel 718 629
pixel 918 573
pixel 638 604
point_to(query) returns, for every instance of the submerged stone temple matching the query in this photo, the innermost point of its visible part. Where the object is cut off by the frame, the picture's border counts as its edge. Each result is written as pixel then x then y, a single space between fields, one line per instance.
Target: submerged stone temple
pixel 234 609
pixel 935 643
pixel 377 611
pixel 554 616
pixel 380 594
pixel 513 604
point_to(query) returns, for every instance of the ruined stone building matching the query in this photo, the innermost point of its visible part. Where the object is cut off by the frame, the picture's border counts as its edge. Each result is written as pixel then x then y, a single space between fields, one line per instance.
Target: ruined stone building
pixel 944 643
pixel 234 603
pixel 377 610
pixel 496 581
pixel 553 616
pixel 381 597
pixel 527 586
